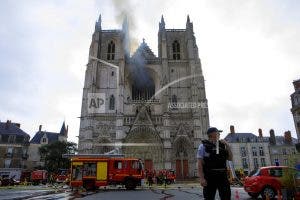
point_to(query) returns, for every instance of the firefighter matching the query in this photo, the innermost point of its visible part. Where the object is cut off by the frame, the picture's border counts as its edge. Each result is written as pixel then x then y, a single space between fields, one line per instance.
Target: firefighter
pixel 212 165
pixel 51 178
pixel 150 178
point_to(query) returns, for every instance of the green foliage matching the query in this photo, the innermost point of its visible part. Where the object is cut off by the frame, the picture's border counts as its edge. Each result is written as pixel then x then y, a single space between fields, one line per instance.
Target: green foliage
pixel 293 159
pixel 288 178
pixel 52 155
pixel 289 174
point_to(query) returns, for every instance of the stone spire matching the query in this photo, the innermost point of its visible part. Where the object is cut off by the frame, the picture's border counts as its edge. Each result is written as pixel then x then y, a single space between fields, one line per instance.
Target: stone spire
pixel 99 19
pixel 162 40
pixel 162 23
pixel 191 43
pixel 98 24
pixel 64 130
pixel 189 25
pixel 188 19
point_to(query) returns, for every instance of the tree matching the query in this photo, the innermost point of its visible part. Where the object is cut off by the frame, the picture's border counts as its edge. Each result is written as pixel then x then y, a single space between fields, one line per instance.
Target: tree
pixel 288 179
pixel 52 155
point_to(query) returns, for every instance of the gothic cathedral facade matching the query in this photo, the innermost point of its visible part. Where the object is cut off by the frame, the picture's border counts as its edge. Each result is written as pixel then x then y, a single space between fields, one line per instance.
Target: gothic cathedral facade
pixel 153 107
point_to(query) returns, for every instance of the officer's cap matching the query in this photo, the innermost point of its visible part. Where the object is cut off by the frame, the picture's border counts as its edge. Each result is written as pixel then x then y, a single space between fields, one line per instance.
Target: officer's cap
pixel 212 130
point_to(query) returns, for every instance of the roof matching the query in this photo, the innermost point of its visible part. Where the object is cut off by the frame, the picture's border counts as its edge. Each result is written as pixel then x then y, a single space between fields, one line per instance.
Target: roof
pixel 239 137
pixel 63 130
pixel 52 137
pixel 243 137
pixel 11 129
pixel 250 137
pixel 144 51
pixel 280 140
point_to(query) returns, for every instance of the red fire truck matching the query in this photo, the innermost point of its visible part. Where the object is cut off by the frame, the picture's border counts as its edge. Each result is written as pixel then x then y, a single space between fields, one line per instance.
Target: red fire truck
pixel 93 171
pixel 39 176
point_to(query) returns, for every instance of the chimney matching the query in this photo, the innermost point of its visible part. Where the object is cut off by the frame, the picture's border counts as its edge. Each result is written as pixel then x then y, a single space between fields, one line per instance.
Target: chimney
pixel 17 125
pixel 272 137
pixel 288 137
pixel 40 128
pixel 7 124
pixel 260 133
pixel 232 129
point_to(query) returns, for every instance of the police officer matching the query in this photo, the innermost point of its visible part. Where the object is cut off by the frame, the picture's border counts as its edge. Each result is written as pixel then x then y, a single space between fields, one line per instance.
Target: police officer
pixel 212 166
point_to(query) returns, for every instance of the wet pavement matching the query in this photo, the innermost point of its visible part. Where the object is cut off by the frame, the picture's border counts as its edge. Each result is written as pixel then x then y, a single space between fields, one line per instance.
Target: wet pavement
pixel 160 193
pixel 33 192
pixel 175 191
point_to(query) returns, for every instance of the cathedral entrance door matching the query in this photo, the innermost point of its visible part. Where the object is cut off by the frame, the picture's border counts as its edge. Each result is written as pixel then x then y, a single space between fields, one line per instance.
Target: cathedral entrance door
pixel 182 154
pixel 148 164
pixel 182 169
pixel 185 168
pixel 145 143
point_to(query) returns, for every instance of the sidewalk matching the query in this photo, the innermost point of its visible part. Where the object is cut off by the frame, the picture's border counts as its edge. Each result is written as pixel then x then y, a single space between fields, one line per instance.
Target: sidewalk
pixel 24 192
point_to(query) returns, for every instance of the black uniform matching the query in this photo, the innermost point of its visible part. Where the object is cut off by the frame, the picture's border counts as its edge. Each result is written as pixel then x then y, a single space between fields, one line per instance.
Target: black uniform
pixel 215 171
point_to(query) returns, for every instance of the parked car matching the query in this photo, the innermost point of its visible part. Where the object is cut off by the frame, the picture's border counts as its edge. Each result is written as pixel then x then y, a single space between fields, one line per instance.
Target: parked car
pixel 266 181
pixel 9 182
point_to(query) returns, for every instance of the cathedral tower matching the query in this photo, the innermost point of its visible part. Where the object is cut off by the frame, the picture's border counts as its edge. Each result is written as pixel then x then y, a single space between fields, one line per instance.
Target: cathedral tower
pixel 147 106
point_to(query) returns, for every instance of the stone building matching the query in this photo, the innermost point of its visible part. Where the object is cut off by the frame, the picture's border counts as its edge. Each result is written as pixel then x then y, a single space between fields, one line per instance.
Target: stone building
pixel 147 106
pixel 14 144
pixel 249 151
pixel 42 138
pixel 281 148
pixel 295 98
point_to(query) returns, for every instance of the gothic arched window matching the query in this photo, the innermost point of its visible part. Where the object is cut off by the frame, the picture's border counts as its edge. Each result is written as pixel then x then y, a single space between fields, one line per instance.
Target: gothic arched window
pixel 176 50
pixel 174 102
pixel 112 102
pixel 143 89
pixel 174 99
pixel 111 51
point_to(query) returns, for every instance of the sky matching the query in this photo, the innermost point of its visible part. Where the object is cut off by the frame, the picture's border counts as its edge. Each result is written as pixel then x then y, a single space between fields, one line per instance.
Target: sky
pixel 250 54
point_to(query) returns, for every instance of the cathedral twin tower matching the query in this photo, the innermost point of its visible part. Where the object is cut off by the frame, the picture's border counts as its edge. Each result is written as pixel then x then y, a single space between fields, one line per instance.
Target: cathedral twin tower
pixel 147 106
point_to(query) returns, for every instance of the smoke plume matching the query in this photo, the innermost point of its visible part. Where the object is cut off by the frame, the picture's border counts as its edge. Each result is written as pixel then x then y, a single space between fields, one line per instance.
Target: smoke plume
pixel 125 10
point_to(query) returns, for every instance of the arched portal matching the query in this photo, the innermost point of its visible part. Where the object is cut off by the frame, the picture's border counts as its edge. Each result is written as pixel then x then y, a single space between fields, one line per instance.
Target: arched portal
pixel 145 143
pixel 183 155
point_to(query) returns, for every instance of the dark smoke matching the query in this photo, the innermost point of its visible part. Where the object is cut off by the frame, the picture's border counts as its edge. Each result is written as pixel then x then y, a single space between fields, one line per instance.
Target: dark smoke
pixel 125 16
pixel 140 77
